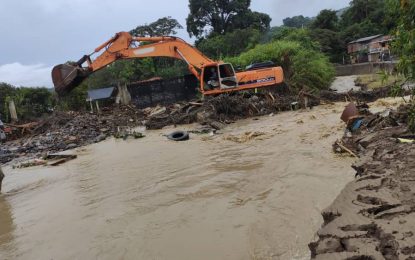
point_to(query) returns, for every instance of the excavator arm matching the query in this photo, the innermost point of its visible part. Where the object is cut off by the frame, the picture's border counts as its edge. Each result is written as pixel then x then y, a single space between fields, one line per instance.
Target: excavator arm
pixel 68 76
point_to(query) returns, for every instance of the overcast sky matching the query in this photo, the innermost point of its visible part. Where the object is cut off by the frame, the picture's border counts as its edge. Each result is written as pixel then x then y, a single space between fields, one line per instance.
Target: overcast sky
pixel 37 34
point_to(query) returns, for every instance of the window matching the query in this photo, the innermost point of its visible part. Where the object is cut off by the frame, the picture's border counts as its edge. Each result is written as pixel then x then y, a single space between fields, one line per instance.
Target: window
pixel 226 71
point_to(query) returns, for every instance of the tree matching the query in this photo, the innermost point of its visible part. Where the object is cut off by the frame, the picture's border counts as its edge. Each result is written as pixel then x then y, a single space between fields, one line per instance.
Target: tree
pixel 361 10
pixel 6 90
pixel 158 66
pixel 326 19
pixel 162 27
pixel 222 16
pixel 364 12
pixel 298 21
pixel 251 20
pixel 360 30
pixel 404 45
pixel 230 44
pixel 330 43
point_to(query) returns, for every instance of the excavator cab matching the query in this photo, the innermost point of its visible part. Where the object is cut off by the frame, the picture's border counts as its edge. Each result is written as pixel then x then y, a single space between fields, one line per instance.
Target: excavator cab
pixel 218 77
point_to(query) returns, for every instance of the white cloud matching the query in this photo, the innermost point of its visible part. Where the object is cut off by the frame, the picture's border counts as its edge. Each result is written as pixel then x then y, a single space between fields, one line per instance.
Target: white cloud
pixel 17 74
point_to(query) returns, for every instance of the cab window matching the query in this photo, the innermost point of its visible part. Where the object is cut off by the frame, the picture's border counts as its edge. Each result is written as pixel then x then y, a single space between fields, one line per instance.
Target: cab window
pixel 226 71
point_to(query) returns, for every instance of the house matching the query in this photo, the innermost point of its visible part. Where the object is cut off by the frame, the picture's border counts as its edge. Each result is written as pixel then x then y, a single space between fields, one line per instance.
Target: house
pixel 374 48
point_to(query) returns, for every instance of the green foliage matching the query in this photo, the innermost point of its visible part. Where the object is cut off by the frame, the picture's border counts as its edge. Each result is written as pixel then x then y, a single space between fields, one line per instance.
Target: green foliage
pixel 326 19
pixel 302 36
pixel 162 27
pixel 303 67
pixel 133 70
pixel 6 91
pixel 331 43
pixel 223 16
pixel 74 101
pixel 360 30
pixel 297 21
pixel 364 10
pixel 404 46
pixel 230 44
pixel 30 102
pixel 366 18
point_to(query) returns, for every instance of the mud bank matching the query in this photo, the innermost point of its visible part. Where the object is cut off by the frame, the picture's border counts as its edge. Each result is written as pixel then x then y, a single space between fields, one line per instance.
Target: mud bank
pixel 373 217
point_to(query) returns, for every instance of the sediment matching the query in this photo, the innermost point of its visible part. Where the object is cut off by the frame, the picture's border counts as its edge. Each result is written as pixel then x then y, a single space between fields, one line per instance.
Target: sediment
pixel 374 216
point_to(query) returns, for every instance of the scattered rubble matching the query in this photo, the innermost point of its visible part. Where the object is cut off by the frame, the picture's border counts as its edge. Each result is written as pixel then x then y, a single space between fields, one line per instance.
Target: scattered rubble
pixel 373 217
pixel 65 131
pixel 363 96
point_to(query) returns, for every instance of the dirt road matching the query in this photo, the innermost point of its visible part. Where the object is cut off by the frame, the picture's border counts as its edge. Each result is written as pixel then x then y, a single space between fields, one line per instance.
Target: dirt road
pixel 220 197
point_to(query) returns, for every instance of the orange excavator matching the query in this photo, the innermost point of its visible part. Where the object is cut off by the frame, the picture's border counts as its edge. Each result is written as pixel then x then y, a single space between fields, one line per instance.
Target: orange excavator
pixel 214 77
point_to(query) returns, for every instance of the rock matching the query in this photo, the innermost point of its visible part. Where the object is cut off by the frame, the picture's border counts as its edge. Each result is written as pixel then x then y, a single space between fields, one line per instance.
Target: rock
pixel 100 138
pixel 217 125
pixel 203 116
pixel 71 146
pixel 61 146
pixel 72 138
pixel 254 98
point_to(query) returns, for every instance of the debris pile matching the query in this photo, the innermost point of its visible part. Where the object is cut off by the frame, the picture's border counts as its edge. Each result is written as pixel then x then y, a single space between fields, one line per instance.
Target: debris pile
pixel 363 96
pixel 221 109
pixel 372 218
pixel 64 131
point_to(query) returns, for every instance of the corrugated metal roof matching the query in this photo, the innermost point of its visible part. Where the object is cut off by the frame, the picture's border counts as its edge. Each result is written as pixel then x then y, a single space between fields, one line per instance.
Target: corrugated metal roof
pixel 366 38
pixel 102 93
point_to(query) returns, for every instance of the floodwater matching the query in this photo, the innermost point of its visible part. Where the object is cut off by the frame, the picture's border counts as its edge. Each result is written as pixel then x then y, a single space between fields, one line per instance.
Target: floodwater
pixel 345 84
pixel 234 195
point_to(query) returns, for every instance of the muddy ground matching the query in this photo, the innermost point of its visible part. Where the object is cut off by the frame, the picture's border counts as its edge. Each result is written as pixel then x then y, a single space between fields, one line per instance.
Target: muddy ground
pixel 373 217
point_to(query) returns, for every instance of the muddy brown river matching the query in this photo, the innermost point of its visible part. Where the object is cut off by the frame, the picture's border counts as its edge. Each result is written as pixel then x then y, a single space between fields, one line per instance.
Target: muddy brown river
pixel 235 195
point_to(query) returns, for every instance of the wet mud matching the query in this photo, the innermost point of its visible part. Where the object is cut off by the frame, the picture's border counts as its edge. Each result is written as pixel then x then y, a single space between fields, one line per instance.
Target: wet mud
pixel 373 217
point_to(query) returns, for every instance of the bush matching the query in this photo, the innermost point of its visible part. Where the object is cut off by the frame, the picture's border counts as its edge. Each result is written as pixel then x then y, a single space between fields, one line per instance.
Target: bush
pixel 30 102
pixel 303 67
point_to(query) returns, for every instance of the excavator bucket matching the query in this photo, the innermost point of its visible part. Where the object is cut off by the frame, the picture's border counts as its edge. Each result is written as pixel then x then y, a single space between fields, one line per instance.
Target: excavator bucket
pixel 66 77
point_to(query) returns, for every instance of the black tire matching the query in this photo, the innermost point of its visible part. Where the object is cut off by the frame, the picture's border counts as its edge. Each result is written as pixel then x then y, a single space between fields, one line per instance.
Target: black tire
pixel 179 136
